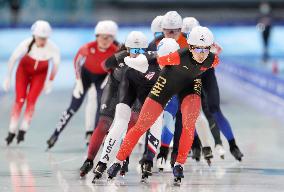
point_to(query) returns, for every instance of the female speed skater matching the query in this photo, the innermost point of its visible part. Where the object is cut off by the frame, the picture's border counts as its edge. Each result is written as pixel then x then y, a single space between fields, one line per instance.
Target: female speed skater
pixel 181 68
pixel 89 67
pixel 34 53
pixel 171 25
pixel 171 126
pixel 211 107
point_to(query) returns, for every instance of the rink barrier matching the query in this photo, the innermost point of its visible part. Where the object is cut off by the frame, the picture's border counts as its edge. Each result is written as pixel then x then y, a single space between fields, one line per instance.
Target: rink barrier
pixel 263 80
pixel 257 89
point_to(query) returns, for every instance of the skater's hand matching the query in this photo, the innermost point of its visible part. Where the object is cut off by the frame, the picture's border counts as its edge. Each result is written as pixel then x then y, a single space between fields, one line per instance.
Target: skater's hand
pixel 7 84
pixel 79 89
pixel 140 63
pixel 48 87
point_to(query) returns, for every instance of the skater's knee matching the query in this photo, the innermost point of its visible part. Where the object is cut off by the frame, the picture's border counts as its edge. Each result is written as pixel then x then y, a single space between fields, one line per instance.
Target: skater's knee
pixel 123 112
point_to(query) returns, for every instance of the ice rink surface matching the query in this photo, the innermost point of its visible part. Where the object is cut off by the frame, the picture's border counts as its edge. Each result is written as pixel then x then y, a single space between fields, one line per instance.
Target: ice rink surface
pixel 28 168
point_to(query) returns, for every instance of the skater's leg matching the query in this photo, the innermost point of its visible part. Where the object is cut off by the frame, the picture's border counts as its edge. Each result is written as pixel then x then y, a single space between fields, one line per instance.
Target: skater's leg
pixel 91 109
pixel 190 108
pixel 169 122
pixel 154 138
pixel 120 124
pixel 212 91
pixel 36 86
pixel 177 134
pixel 150 111
pixel 98 82
pixel 98 136
pixel 168 129
pixel 203 130
pixel 22 82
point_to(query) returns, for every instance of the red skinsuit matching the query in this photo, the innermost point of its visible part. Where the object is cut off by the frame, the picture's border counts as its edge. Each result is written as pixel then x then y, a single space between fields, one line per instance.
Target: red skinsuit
pixel 30 75
pixel 94 58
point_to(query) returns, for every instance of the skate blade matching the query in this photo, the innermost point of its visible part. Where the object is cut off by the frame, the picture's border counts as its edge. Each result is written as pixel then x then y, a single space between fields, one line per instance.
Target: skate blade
pixel 82 175
pixel 209 162
pixel 177 182
pixel 144 180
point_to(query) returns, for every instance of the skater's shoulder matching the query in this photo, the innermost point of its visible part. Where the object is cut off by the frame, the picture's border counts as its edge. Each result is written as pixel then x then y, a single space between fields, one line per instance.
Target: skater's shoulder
pixel 212 60
pixel 52 46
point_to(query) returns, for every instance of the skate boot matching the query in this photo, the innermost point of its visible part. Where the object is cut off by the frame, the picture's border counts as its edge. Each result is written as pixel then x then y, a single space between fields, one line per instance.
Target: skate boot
pixel 173 159
pixel 196 153
pixel 207 153
pixel 88 137
pixel 10 138
pixel 86 167
pixel 220 151
pixel 113 170
pixel 21 136
pixel 99 170
pixel 162 158
pixel 124 168
pixel 178 174
pixel 146 170
pixel 143 159
pixel 236 152
pixel 52 140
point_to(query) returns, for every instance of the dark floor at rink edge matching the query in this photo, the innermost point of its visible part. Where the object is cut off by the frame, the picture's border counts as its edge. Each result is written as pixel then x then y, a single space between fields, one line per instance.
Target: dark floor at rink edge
pixel 29 168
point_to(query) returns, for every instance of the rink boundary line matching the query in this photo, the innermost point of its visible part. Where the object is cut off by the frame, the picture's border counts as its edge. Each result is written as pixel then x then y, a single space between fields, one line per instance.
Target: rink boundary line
pixel 66 160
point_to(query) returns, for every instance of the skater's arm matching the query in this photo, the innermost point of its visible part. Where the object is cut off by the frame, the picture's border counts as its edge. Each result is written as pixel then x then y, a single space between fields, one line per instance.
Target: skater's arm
pixel 114 61
pixel 56 61
pixel 18 52
pixel 79 61
pixel 216 48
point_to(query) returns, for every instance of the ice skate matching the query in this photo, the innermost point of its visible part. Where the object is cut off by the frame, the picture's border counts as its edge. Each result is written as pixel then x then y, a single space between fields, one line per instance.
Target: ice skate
pixel 99 170
pixel 235 151
pixel 113 170
pixel 86 167
pixel 146 171
pixel 21 136
pixel 10 138
pixel 178 174
pixel 52 140
pixel 220 151
pixel 162 158
pixel 207 153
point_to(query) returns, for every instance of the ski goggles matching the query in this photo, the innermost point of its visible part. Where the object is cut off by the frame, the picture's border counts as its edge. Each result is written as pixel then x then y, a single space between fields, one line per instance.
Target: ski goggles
pixel 157 34
pixel 172 31
pixel 137 50
pixel 201 50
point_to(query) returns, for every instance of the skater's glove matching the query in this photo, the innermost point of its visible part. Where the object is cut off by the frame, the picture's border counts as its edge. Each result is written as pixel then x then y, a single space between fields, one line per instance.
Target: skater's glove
pixel 79 89
pixel 7 84
pixel 140 63
pixel 48 86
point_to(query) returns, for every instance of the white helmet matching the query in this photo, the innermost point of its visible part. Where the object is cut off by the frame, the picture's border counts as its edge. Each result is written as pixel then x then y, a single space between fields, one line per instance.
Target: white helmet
pixel 188 23
pixel 107 27
pixel 41 28
pixel 200 36
pixel 136 39
pixel 156 25
pixel 167 46
pixel 172 20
